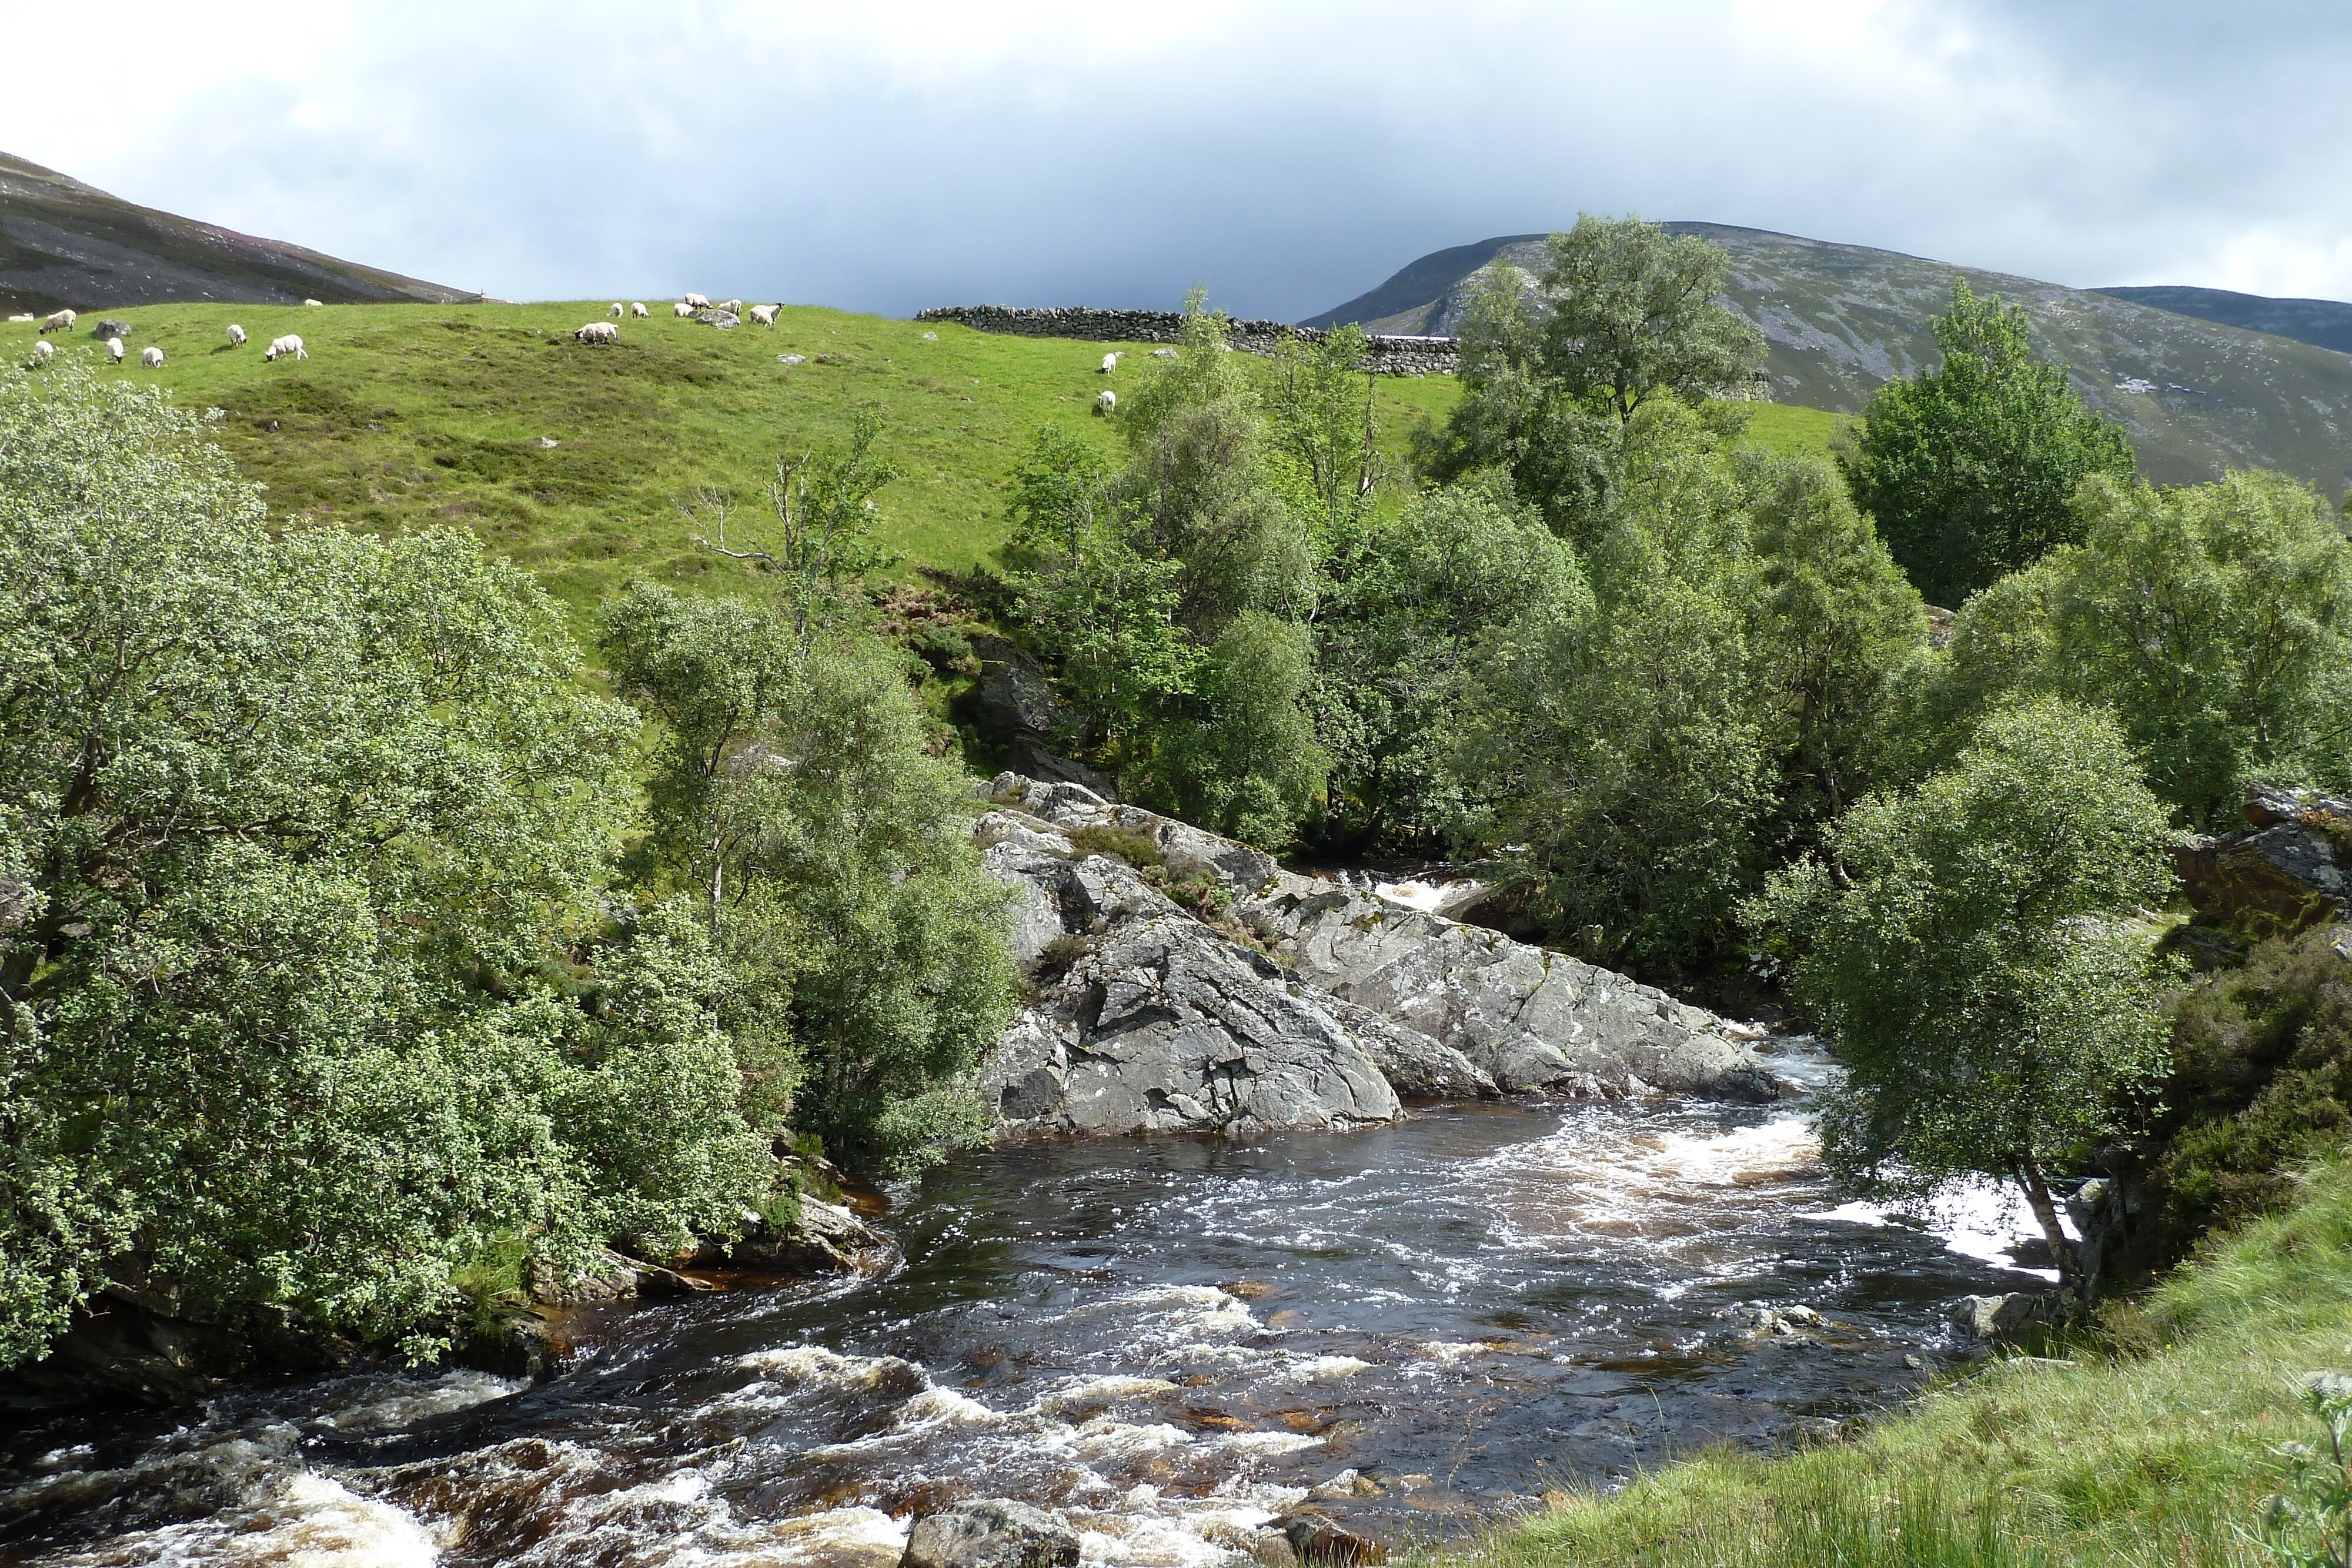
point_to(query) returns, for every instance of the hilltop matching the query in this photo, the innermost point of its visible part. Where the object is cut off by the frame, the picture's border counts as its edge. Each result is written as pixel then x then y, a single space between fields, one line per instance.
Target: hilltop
pixel 2322 323
pixel 65 242
pixel 2197 395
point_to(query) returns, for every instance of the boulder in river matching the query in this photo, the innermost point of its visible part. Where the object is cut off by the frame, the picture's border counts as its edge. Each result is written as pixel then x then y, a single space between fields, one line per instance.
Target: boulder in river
pixel 992 1533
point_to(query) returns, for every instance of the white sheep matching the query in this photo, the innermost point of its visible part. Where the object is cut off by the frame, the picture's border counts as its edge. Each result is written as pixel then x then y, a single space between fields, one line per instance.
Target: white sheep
pixel 289 344
pixel 1110 363
pixel 41 352
pixel 1163 353
pixel 28 315
pixel 681 311
pixel 697 301
pixel 1105 401
pixel 599 332
pixel 637 308
pixel 237 334
pixel 732 307
pixel 152 357
pixel 318 302
pixel 114 350
pixel 619 309
pixel 765 315
pixel 62 322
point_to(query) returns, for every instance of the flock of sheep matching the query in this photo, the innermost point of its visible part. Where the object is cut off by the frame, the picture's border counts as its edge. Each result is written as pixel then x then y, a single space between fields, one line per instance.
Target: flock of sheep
pixel 692 305
pixel 151 356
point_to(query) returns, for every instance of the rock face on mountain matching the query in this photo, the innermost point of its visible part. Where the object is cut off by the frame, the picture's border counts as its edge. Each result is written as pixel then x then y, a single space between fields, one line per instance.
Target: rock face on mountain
pixel 1306 1004
pixel 2285 871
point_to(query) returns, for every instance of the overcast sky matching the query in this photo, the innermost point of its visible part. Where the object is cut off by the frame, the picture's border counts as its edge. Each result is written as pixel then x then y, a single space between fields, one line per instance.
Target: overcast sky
pixel 887 154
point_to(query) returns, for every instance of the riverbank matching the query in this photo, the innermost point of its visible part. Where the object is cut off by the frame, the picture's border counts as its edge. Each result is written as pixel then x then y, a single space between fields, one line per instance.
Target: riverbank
pixel 2146 1443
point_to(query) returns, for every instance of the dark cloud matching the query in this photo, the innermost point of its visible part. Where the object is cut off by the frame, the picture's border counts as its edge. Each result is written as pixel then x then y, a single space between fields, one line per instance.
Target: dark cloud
pixel 1288 156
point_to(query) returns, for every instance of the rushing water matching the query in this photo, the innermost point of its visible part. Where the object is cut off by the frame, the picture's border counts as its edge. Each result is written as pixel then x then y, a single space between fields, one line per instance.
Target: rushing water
pixel 1171 1341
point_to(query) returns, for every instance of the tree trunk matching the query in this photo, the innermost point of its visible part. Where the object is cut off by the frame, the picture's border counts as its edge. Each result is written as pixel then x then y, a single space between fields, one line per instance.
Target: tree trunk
pixel 2045 1212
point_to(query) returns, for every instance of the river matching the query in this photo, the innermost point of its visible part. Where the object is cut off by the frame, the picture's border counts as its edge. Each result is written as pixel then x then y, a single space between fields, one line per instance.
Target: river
pixel 1171 1341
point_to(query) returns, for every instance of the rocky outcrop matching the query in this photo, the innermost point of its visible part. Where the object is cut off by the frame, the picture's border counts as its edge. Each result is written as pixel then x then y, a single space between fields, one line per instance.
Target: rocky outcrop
pixel 1306 1004
pixel 994 1534
pixel 2287 871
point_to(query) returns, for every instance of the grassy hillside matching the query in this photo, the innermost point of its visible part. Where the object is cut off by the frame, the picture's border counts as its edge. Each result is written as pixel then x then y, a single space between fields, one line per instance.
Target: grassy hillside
pixel 2152 1450
pixel 407 416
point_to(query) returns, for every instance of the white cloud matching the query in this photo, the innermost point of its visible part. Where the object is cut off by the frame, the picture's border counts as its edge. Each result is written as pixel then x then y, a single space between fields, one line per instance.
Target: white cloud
pixel 899 152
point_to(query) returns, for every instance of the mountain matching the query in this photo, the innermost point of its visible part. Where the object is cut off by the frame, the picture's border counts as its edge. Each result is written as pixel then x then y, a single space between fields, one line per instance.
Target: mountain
pixel 2322 323
pixel 2197 395
pixel 63 242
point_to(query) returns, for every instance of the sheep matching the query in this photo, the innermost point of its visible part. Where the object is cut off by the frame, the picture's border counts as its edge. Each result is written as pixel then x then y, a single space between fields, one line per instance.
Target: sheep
pixel 765 315
pixel 41 352
pixel 697 301
pixel 289 344
pixel 317 302
pixel 152 357
pixel 1105 401
pixel 681 311
pixel 1163 353
pixel 618 308
pixel 1110 363
pixel 237 334
pixel 114 350
pixel 732 307
pixel 637 308
pixel 28 315
pixel 599 332
pixel 62 322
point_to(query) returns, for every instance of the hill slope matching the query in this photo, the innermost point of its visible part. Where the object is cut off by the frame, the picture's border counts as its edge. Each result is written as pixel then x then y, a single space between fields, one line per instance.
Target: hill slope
pixel 408 416
pixel 2322 323
pixel 2197 395
pixel 63 242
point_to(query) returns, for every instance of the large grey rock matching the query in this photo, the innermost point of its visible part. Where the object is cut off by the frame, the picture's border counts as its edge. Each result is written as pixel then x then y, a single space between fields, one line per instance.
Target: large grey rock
pixel 994 1534
pixel 1144 1019
pixel 1015 700
pixel 1520 1017
pixel 1997 1318
pixel 2290 868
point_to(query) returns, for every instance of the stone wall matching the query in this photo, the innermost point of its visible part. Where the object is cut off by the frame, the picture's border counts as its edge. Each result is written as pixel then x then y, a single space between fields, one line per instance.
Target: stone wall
pixel 1387 356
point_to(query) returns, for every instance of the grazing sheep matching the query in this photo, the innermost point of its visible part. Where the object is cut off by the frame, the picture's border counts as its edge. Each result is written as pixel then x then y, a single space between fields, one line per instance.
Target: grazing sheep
pixel 289 344
pixel 237 334
pixel 41 352
pixel 599 332
pixel 114 350
pixel 618 308
pixel 732 307
pixel 681 311
pixel 697 301
pixel 152 357
pixel 62 322
pixel 765 315
pixel 1110 363
pixel 1163 353
pixel 320 302
pixel 637 308
pixel 28 315
pixel 1105 401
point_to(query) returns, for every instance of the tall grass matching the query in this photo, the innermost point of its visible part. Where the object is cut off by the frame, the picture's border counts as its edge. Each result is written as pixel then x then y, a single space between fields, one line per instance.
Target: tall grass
pixel 2143 1443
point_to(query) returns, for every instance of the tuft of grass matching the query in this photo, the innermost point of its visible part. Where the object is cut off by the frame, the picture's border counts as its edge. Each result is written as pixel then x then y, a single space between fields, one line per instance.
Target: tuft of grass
pixel 1137 848
pixel 2147 1446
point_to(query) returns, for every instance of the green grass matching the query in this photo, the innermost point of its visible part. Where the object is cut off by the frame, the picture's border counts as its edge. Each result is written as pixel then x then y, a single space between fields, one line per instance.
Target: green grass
pixel 2151 1450
pixel 1791 431
pixel 407 416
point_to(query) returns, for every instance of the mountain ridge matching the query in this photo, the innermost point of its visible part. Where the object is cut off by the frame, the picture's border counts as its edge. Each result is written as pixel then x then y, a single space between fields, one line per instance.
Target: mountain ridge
pixel 66 243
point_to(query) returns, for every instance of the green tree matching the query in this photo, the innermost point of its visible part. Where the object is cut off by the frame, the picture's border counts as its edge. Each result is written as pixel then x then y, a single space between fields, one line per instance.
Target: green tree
pixel 1969 958
pixel 1552 372
pixel 830 855
pixel 301 942
pixel 1969 468
pixel 824 516
pixel 1320 417
pixel 1414 606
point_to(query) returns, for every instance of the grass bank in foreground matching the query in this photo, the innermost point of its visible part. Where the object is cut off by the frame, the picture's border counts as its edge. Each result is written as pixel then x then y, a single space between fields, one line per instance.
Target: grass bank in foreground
pixel 2152 1450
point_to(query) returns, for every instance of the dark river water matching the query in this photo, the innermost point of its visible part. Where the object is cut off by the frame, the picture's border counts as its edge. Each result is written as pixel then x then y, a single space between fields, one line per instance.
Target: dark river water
pixel 1168 1341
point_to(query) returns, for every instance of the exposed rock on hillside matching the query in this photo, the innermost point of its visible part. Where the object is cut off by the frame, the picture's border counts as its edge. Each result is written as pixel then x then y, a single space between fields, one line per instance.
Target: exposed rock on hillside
pixel 1308 1005
pixel 2284 872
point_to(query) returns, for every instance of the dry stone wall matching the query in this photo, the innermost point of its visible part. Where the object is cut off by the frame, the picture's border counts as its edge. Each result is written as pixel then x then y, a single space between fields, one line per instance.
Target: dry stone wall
pixel 1387 356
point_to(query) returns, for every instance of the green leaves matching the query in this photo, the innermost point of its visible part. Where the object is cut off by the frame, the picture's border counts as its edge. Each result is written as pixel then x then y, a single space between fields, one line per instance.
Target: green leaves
pixel 1969 468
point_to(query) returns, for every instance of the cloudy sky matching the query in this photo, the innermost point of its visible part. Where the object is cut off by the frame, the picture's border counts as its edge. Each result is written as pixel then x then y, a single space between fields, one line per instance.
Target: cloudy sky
pixel 887 154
